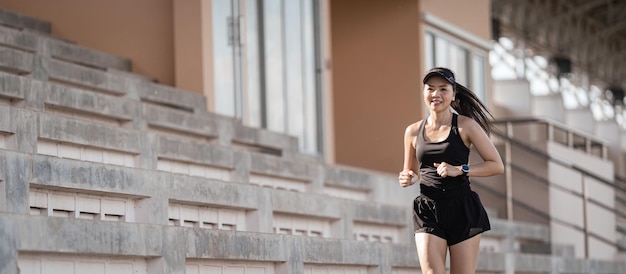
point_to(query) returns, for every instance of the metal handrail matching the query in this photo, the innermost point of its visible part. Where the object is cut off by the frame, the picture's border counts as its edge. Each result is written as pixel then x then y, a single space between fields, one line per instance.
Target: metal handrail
pixel 590 140
pixel 556 160
pixel 510 200
pixel 541 214
pixel 552 122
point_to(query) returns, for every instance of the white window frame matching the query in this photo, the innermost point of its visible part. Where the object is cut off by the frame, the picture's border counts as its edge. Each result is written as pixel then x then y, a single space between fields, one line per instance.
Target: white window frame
pixel 472 51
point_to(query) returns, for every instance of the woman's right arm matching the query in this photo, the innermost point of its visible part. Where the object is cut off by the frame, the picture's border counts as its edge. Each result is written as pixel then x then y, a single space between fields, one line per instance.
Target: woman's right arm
pixel 407 175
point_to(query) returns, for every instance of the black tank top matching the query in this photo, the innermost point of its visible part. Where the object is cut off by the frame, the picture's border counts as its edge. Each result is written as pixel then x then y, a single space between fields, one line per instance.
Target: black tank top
pixel 452 150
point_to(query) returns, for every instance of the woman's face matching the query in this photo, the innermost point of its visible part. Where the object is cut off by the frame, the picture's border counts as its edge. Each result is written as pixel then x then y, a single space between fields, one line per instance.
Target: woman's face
pixel 438 94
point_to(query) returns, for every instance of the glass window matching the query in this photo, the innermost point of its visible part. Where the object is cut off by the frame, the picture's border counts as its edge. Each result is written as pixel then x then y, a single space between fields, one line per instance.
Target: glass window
pixel 468 64
pixel 442 52
pixel 429 46
pixel 266 75
pixel 274 64
pixel 479 80
pixel 223 50
pixel 253 113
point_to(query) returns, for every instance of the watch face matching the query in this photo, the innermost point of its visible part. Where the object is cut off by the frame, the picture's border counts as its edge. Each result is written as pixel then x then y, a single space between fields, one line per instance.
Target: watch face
pixel 465 168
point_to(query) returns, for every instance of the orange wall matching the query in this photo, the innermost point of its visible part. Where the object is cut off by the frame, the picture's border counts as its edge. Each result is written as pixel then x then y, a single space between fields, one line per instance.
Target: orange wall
pixel 188 45
pixel 141 29
pixel 473 16
pixel 376 82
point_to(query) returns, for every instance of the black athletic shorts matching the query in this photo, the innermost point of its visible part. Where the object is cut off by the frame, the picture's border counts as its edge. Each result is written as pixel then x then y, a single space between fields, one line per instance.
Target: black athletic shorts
pixel 452 214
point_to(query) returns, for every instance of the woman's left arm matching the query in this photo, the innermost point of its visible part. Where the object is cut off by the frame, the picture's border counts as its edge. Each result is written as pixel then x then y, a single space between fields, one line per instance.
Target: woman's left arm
pixel 473 134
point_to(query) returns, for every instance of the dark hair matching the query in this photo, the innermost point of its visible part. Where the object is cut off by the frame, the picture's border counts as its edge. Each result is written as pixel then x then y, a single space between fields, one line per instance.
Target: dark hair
pixel 466 102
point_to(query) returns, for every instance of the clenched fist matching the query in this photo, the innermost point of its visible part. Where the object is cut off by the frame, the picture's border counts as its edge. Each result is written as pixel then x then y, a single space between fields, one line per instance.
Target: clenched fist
pixel 406 178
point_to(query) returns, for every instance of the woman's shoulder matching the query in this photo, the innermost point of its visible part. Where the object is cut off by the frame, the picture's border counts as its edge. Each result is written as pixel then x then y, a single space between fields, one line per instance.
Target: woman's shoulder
pixel 466 121
pixel 413 128
pixel 467 125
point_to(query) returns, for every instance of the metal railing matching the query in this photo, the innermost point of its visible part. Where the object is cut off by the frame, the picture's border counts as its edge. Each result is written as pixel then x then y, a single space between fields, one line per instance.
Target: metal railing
pixel 560 133
pixel 573 139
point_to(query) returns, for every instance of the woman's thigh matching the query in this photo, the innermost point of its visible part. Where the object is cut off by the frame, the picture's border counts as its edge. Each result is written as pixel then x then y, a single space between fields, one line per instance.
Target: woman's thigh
pixel 431 251
pixel 463 256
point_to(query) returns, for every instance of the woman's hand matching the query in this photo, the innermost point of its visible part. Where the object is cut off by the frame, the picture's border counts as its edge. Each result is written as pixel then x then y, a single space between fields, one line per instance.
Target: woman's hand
pixel 444 170
pixel 406 178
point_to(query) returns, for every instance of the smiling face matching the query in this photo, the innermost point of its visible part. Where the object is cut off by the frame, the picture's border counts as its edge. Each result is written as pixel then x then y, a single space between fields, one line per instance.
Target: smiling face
pixel 438 94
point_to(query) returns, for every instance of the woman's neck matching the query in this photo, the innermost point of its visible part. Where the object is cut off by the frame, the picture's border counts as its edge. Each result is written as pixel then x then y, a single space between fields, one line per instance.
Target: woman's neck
pixel 438 119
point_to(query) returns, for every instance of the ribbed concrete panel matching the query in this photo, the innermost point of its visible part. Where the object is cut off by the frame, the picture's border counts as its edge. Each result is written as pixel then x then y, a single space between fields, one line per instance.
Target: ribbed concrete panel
pixel 81 55
pixel 86 77
pixel 24 22
pixel 18 39
pixel 6 122
pixel 202 153
pixel 16 61
pixel 80 100
pixel 173 97
pixel 58 128
pixel 81 236
pixel 265 140
pixel 205 126
pixel 281 167
pixel 347 178
pixel 13 87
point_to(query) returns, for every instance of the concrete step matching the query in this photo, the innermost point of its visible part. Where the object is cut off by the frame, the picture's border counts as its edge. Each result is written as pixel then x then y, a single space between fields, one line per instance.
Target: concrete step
pixel 19 21
pixel 46 45
pixel 144 241
pixel 54 179
pixel 60 50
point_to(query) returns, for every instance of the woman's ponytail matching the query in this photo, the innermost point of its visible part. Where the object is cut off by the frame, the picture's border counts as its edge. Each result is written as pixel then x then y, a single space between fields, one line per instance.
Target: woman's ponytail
pixel 468 104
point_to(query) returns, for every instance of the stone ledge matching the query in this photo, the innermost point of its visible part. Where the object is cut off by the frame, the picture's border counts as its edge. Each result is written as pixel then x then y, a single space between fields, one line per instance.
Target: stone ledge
pixel 18 39
pixel 173 97
pixel 62 50
pixel 84 101
pixel 265 140
pixel 183 122
pixel 20 21
pixel 349 178
pixel 202 153
pixel 53 234
pixel 86 77
pixel 271 165
pixel 71 236
pixel 13 86
pixel 6 122
pixel 89 57
pixel 16 61
pixel 62 129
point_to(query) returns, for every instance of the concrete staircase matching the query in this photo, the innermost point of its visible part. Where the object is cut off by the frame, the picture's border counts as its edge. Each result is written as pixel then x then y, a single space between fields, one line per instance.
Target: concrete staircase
pixel 103 169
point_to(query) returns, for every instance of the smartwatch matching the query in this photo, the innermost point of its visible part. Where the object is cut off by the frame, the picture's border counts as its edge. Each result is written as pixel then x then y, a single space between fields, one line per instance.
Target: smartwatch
pixel 465 169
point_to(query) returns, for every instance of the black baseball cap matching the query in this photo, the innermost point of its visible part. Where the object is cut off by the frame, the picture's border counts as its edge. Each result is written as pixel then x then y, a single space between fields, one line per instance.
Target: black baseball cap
pixel 443 72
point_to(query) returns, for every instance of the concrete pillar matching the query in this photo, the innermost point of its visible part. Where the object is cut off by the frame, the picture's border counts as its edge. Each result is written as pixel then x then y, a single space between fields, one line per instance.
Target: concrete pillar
pixel 8 252
pixel 17 176
pixel 41 59
pixel 293 247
